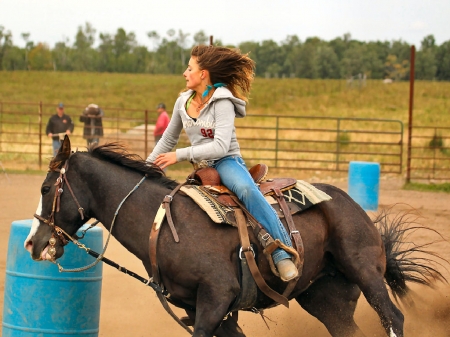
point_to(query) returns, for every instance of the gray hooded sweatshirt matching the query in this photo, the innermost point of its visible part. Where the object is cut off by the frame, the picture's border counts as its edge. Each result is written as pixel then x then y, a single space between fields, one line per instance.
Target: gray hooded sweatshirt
pixel 212 134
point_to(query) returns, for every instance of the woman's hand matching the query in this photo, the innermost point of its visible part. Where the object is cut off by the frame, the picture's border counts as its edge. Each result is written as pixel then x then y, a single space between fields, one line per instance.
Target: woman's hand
pixel 166 159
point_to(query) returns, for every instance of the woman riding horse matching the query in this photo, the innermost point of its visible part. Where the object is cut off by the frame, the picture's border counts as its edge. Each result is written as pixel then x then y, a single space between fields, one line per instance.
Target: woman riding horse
pixel 218 81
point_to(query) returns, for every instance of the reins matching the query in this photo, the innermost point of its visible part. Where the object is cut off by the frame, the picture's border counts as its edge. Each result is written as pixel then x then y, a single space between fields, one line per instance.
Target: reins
pixel 59 233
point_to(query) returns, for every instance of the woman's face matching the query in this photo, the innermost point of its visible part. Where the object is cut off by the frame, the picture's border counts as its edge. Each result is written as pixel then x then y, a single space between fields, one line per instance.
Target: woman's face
pixel 193 75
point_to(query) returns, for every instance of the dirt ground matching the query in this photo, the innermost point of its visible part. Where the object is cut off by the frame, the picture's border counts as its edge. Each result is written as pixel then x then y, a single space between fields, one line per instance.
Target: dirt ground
pixel 129 308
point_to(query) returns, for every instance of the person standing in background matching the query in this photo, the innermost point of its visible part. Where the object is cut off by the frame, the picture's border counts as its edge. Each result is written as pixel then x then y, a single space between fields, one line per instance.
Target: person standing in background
pixel 93 126
pixel 59 125
pixel 161 123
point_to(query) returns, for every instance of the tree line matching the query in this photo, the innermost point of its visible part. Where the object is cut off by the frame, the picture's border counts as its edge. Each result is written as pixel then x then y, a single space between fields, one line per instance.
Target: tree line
pixel 314 58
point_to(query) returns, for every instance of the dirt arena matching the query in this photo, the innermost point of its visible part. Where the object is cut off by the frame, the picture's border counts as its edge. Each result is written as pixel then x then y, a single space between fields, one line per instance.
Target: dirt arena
pixel 129 308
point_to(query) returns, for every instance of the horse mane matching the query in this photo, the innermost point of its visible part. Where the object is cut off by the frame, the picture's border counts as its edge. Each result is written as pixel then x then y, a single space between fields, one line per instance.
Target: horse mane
pixel 117 153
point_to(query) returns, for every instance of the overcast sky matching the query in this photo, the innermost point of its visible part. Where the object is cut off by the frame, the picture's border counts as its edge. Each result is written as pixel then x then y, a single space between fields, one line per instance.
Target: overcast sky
pixel 231 21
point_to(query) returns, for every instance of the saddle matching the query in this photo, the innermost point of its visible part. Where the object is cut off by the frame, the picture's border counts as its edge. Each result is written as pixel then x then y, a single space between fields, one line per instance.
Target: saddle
pixel 209 182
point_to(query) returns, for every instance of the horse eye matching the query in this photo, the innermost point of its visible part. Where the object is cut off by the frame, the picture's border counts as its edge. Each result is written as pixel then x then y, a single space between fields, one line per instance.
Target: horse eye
pixel 45 189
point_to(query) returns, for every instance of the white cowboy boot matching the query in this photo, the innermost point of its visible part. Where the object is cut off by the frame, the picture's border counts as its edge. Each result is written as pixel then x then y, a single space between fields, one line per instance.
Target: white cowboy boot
pixel 287 270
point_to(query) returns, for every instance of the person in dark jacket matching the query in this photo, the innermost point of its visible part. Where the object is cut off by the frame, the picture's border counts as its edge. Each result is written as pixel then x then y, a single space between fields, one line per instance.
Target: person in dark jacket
pixel 59 125
pixel 93 126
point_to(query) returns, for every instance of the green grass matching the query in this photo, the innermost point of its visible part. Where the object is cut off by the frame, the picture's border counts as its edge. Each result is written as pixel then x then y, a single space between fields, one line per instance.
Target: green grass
pixel 299 97
pixel 118 94
pixel 445 187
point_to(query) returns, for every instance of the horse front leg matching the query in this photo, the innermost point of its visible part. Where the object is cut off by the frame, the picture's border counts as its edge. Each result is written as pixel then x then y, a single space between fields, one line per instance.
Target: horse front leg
pixel 213 301
pixel 228 328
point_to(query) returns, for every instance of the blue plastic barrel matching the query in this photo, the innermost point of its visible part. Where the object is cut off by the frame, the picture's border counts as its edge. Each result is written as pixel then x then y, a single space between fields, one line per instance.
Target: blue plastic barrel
pixel 41 301
pixel 364 184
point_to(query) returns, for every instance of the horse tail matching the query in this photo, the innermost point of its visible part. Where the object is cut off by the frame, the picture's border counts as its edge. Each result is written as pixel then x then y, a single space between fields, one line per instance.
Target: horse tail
pixel 406 261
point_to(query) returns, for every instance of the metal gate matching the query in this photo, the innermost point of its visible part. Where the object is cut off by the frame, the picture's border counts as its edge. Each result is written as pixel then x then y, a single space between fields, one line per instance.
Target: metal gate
pixel 284 142
pixel 429 154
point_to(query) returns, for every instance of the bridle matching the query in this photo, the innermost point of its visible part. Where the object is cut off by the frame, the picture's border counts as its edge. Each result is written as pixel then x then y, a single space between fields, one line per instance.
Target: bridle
pixel 58 232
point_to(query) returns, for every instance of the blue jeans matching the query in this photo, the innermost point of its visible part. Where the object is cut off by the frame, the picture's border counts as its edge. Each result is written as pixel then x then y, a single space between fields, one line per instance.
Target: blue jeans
pixel 234 175
pixel 56 145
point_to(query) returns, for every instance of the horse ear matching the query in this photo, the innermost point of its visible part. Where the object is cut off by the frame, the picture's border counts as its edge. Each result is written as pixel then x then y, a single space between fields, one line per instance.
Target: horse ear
pixel 63 153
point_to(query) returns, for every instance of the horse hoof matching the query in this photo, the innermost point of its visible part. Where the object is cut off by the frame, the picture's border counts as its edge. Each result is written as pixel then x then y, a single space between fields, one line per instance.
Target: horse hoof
pixel 287 270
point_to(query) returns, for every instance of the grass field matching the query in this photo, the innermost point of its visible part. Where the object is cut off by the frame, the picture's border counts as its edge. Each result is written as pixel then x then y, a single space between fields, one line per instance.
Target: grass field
pixel 298 97
pixel 283 97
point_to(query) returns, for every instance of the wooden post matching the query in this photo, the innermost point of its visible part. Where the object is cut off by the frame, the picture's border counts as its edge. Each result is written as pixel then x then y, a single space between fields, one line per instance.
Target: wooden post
pixel 40 136
pixel 411 104
pixel 211 40
pixel 146 133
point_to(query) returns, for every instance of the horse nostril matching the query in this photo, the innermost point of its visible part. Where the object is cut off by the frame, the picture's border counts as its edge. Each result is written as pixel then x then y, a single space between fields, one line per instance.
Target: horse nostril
pixel 29 245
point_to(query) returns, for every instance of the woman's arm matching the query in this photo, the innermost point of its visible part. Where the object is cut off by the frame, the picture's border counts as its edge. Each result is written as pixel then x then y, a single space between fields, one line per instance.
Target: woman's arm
pixel 170 136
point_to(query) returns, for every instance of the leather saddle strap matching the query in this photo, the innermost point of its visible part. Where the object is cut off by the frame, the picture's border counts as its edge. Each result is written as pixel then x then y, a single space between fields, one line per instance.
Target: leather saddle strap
pixel 166 204
pixel 293 232
pixel 153 240
pixel 163 210
pixel 248 252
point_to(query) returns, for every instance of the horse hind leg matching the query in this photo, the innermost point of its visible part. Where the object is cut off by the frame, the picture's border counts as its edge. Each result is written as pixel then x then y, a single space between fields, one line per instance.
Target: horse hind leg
pixel 332 300
pixel 377 296
pixel 367 271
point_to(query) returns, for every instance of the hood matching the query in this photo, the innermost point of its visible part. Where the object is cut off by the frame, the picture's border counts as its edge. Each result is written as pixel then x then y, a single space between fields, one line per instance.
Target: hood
pixel 222 93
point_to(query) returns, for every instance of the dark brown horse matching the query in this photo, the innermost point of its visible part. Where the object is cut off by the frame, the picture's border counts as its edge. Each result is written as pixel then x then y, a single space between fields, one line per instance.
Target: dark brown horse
pixel 344 251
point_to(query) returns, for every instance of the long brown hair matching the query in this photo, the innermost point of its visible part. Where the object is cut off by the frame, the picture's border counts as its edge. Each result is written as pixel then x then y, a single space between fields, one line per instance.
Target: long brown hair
pixel 228 66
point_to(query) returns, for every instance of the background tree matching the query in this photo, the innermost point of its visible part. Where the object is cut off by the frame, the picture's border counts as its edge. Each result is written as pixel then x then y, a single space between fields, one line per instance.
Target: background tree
pixel 443 62
pixel 425 65
pixel 5 43
pixel 154 37
pixel 307 60
pixel 123 48
pixel 84 57
pixel 63 56
pixel 269 59
pixel 396 69
pixel 40 58
pixel 107 61
pixel 28 47
pixel 14 59
pixel 289 48
pixel 200 38
pixel 182 43
pixel 327 62
pixel 341 57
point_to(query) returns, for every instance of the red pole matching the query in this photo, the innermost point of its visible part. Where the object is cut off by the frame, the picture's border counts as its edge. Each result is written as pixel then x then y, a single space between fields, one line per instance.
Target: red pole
pixel 411 104
pixel 40 135
pixel 146 136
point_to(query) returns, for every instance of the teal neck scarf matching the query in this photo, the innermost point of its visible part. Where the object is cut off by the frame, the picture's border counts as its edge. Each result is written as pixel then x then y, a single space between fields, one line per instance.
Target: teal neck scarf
pixel 209 87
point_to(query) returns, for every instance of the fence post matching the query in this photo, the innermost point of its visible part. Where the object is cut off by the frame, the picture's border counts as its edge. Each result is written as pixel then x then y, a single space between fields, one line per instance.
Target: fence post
pixel 40 135
pixel 338 143
pixel 146 130
pixel 411 102
pixel 276 141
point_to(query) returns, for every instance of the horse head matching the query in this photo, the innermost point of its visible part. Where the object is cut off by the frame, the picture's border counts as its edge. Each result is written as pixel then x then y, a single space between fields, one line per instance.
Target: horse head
pixel 59 213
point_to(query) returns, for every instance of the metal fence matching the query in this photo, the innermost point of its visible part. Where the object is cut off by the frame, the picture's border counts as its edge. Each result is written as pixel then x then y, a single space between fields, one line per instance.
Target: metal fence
pixel 321 143
pixel 285 142
pixel 429 150
pixel 23 136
